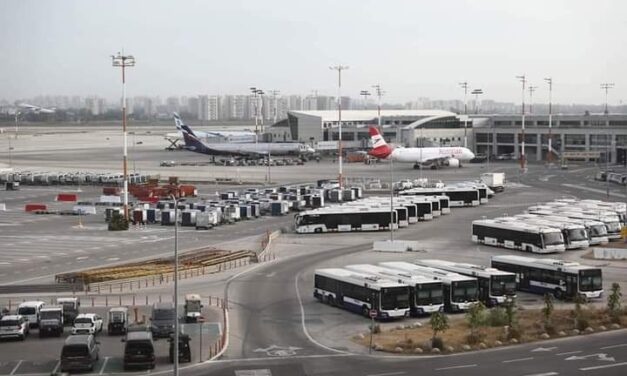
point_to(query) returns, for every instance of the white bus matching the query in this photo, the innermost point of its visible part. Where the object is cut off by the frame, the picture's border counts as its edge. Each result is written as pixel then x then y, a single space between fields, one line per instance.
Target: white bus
pixel 564 279
pixel 361 293
pixel 460 291
pixel 425 294
pixel 597 231
pixel 575 234
pixel 458 196
pixel 517 235
pixel 403 212
pixel 611 221
pixel 494 285
pixel 344 220
pixel 482 188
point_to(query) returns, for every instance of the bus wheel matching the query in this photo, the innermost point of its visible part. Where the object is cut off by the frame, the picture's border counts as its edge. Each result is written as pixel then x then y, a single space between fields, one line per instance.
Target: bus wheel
pixel 559 294
pixel 329 300
pixel 365 312
pixel 318 230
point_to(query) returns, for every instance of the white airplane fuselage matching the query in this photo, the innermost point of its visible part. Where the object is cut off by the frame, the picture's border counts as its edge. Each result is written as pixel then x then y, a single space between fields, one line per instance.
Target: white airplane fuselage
pixel 422 155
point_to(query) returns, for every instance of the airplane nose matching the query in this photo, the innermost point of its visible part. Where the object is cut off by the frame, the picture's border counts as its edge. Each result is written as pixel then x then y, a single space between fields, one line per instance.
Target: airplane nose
pixel 471 155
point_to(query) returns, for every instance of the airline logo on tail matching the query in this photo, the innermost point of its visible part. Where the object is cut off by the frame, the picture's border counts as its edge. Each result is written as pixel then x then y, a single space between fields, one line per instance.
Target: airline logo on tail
pixel 380 148
pixel 191 141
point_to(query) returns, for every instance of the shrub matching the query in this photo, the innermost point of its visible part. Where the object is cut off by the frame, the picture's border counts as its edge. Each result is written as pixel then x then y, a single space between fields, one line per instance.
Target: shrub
pixel 547 313
pixel 578 313
pixel 475 337
pixel 439 323
pixel 437 343
pixel 497 317
pixel 475 316
pixel 510 311
pixel 118 223
pixel 613 303
pixel 376 329
pixel 513 333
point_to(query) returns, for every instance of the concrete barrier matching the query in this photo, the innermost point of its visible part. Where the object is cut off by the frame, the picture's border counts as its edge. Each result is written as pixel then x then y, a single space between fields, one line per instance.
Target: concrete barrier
pixel 395 246
pixel 3 206
pixel 610 253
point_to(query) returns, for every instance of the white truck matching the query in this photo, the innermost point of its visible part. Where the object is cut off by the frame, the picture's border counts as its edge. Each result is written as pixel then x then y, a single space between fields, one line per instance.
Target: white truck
pixel 51 321
pixel 494 180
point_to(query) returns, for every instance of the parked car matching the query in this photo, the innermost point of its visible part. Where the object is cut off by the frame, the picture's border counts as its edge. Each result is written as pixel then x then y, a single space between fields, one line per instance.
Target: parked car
pixel 87 323
pixel 162 319
pixel 118 320
pixel 30 311
pixel 80 352
pixel 139 350
pixel 185 354
pixel 14 326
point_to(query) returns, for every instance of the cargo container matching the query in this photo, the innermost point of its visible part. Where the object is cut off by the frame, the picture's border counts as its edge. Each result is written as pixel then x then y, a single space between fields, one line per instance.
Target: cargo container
pixel 348 195
pixel 67 197
pixel 35 208
pixel 153 215
pixel 84 209
pixel 139 216
pixel 358 192
pixel 167 217
pixel 336 195
pixel 111 199
pixel 207 220
pixel 111 191
pixel 188 191
pixel 317 201
pixel 279 208
pixel 188 217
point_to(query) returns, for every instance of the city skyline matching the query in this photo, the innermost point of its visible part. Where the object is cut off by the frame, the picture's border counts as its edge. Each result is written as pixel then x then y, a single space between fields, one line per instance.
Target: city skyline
pixel 412 50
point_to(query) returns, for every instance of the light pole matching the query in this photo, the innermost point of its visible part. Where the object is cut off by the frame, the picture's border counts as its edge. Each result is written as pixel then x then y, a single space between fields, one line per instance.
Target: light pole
pixel 176 285
pixel 523 161
pixel 365 94
pixel 339 69
pixel 549 155
pixel 477 92
pixel 256 91
pixel 274 100
pixel 607 86
pixel 531 90
pixel 17 113
pixel 380 93
pixel 124 61
pixel 464 85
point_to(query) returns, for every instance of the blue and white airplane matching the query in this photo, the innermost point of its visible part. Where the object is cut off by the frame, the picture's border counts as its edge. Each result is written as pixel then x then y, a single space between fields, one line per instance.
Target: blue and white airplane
pixel 193 142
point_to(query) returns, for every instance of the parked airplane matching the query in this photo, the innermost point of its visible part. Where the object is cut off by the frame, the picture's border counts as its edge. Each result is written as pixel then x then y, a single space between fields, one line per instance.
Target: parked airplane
pixel 227 136
pixel 37 109
pixel 429 156
pixel 193 143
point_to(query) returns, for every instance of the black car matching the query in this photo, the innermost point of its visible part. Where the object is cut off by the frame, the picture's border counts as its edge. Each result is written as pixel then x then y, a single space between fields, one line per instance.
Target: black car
pixel 139 351
pixel 80 352
pixel 185 354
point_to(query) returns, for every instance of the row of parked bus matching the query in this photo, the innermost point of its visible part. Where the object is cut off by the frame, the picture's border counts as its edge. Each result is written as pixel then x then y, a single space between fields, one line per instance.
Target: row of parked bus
pixel 384 213
pixel 556 226
pixel 394 290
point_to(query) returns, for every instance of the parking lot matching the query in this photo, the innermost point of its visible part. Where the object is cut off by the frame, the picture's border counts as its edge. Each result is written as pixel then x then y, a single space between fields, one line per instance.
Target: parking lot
pixel 41 355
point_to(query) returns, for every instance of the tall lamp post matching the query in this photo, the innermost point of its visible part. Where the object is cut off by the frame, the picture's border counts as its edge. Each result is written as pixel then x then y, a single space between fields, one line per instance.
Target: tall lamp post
pixel 256 91
pixel 549 155
pixel 379 93
pixel 274 94
pixel 365 94
pixel 176 285
pixel 477 93
pixel 464 85
pixel 339 69
pixel 17 114
pixel 124 61
pixel 607 86
pixel 523 160
pixel 531 90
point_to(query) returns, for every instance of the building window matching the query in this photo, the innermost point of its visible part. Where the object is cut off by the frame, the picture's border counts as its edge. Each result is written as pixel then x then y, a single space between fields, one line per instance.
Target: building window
pixel 621 140
pixel 570 123
pixel 498 123
pixel 505 138
pixel 483 137
pixel 575 139
pixel 599 139
pixel 618 122
pixel 531 138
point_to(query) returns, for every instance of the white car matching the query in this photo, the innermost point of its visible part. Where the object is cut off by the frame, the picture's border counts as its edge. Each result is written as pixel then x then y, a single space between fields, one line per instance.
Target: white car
pixel 87 323
pixel 14 326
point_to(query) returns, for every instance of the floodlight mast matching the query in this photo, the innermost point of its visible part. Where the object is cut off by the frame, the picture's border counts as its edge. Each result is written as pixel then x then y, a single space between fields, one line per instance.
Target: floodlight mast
pixel 523 160
pixel 339 68
pixel 549 155
pixel 124 61
pixel 464 85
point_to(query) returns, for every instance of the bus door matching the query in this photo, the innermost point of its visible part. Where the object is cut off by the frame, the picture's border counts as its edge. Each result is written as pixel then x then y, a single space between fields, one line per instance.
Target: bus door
pixel 484 290
pixel 571 285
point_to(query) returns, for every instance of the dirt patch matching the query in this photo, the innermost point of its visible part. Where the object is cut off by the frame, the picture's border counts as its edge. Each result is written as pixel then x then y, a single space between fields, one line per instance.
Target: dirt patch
pixel 530 327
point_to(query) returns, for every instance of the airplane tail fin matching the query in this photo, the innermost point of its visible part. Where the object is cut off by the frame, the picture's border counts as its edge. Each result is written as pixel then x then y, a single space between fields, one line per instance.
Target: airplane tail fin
pixel 380 148
pixel 191 141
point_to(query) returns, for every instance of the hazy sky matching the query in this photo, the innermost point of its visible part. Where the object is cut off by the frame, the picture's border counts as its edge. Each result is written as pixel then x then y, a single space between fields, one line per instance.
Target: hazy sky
pixel 412 48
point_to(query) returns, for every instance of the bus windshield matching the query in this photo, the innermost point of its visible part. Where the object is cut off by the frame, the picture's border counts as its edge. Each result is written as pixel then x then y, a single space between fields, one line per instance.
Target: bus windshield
pixel 590 280
pixel 612 226
pixel 577 234
pixel 464 291
pixel 428 293
pixel 394 297
pixel 598 230
pixel 503 285
pixel 552 238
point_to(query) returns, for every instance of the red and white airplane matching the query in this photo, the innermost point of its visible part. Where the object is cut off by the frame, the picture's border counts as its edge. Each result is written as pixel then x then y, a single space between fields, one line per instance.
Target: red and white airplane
pixel 431 156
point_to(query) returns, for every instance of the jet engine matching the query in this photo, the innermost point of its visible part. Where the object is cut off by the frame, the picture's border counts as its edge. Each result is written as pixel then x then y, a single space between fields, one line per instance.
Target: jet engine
pixel 452 162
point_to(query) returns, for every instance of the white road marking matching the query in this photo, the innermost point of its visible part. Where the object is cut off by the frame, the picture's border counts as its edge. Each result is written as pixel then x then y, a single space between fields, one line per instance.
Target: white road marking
pixel 517 360
pixel 605 366
pixel 543 349
pixel 387 374
pixel 302 321
pixel 614 346
pixel 16 367
pixel 455 367
pixel 569 353
pixel 56 368
pixel 104 364
pixel 544 374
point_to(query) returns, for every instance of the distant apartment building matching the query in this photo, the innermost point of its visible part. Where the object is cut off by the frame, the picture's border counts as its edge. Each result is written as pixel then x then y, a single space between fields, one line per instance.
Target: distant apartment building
pixel 95 105
pixel 193 106
pixel 215 112
pixel 203 107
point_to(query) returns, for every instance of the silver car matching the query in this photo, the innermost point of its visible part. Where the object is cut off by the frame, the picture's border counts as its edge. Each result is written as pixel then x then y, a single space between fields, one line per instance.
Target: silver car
pixel 14 326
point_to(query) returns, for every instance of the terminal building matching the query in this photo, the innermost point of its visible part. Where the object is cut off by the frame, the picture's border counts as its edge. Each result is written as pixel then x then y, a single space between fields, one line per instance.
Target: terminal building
pixel 401 127
pixel 598 134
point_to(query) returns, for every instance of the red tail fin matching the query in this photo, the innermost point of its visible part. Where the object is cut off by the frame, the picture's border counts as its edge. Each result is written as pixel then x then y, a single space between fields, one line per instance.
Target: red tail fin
pixel 380 148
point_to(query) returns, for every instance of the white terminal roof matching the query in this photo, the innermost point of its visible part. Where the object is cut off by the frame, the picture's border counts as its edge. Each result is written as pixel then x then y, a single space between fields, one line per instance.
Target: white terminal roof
pixel 365 115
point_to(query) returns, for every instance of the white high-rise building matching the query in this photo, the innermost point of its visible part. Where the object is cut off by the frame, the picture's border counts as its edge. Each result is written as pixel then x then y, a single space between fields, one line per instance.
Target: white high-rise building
pixel 203 107
pixel 215 107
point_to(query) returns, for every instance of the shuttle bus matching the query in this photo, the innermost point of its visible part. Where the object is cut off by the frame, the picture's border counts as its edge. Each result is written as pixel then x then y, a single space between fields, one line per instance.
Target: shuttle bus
pixel 458 196
pixel 517 235
pixel 406 212
pixel 362 293
pixel 575 234
pixel 460 291
pixel 564 279
pixel 610 220
pixel 597 232
pixel 494 285
pixel 425 294
pixel 345 220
